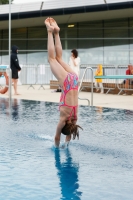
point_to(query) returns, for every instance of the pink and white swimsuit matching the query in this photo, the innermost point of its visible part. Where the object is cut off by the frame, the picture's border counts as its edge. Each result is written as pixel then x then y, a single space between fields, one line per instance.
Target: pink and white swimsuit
pixel 70 83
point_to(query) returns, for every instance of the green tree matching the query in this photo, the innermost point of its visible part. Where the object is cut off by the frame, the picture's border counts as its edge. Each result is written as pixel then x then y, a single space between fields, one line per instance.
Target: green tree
pixel 5 1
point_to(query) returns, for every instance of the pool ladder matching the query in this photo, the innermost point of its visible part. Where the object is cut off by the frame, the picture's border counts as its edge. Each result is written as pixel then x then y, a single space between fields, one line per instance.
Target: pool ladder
pixel 87 68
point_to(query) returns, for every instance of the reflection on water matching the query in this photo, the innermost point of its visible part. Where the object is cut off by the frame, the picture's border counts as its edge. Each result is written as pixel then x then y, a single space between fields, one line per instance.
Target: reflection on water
pixel 11 109
pixel 129 112
pixel 99 111
pixel 4 105
pixel 15 109
pixel 68 176
pixel 93 167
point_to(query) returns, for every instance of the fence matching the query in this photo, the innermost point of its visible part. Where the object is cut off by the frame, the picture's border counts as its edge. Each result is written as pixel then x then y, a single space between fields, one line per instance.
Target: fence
pixel 107 69
pixel 36 75
pixel 41 75
pixel 123 85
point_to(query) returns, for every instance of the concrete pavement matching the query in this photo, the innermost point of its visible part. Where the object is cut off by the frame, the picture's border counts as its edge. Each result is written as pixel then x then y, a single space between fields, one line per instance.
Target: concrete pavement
pixel 47 94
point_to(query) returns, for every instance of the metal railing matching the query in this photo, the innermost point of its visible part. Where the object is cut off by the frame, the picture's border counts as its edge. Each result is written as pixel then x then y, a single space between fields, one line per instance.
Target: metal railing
pixel 41 75
pixel 36 75
pixel 85 71
pixel 107 69
pixel 121 84
pixel 28 75
pixel 109 84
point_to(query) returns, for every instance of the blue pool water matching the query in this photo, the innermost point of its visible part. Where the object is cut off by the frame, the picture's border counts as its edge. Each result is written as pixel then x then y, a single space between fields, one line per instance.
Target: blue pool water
pixel 98 166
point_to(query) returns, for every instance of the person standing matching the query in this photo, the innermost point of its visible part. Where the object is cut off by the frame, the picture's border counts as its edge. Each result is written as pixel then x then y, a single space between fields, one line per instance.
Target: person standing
pixel 15 67
pixel 128 82
pixel 98 83
pixel 74 61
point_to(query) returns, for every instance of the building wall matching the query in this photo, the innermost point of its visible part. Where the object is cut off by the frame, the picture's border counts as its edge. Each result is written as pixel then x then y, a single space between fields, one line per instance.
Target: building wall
pixel 107 42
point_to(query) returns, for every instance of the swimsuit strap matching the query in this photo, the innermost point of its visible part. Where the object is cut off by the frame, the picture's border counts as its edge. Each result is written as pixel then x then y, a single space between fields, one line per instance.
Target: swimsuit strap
pixel 70 83
pixel 73 110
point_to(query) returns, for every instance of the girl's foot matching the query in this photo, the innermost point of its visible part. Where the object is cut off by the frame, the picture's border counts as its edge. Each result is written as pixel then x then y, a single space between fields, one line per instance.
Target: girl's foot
pixel 16 94
pixel 54 24
pixel 49 27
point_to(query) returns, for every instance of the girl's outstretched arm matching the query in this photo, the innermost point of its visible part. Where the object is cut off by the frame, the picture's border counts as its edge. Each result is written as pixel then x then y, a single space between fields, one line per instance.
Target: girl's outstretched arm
pixel 60 125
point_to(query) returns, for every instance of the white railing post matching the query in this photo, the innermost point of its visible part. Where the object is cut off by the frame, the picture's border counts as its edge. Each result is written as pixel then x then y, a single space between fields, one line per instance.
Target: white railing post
pixel 10 72
pixel 91 84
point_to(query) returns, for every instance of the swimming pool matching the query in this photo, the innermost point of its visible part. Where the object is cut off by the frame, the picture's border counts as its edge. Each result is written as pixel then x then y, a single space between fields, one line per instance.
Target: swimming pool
pixel 98 166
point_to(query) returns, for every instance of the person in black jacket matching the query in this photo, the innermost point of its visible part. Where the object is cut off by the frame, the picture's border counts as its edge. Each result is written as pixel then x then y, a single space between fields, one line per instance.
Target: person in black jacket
pixel 15 67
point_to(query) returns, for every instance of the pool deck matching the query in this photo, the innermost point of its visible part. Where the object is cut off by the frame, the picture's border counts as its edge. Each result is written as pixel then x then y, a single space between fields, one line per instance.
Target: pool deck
pixel 99 100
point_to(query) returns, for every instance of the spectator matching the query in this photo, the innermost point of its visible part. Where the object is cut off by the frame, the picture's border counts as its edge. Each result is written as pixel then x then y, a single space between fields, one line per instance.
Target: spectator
pixel 15 68
pixel 74 61
pixel 98 83
pixel 128 82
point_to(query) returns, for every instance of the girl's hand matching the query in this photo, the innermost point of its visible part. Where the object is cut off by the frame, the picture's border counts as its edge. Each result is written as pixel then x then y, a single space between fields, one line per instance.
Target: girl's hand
pixel 64 145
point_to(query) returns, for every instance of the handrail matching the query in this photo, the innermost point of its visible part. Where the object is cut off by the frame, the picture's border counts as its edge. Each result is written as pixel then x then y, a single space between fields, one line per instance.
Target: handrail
pixel 106 70
pixel 91 85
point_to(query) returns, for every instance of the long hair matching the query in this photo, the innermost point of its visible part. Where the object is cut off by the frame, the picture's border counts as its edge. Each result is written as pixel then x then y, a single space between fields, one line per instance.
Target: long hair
pixel 71 128
pixel 75 53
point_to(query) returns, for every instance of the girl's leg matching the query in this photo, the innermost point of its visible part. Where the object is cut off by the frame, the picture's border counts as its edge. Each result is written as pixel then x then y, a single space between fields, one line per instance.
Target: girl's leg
pixel 101 86
pixel 126 86
pixel 15 81
pixel 58 46
pixel 96 85
pixel 56 68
